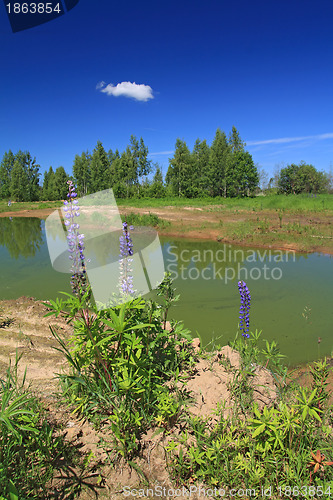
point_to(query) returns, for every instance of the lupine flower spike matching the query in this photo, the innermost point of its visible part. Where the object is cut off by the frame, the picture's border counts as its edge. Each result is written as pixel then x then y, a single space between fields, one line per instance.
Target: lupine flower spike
pixel 75 242
pixel 126 252
pixel 244 312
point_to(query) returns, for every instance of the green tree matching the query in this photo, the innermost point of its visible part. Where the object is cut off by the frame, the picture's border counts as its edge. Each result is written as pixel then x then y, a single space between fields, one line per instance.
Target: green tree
pixel 201 157
pixel 45 185
pixel 135 165
pixel 144 165
pixel 287 182
pixel 133 162
pixel 81 173
pixel 49 185
pixel 312 180
pixel 117 175
pixel 24 184
pixel 219 154
pixel 19 181
pixel 157 188
pixel 111 156
pixel 127 171
pixel 60 181
pixel 6 167
pixel 302 178
pixel 114 158
pixel 99 169
pixel 242 175
pixel 32 169
pixel 235 142
pixel 180 172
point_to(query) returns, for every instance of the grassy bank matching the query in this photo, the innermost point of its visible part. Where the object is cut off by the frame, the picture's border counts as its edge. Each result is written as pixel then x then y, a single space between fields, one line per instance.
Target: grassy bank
pixel 300 233
pixel 36 205
pixel 301 222
pixel 293 203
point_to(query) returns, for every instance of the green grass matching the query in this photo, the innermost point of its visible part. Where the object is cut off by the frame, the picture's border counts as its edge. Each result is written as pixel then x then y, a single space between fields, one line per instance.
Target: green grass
pixel 29 450
pixel 293 203
pixel 132 219
pixel 145 220
pixel 256 448
pixel 37 205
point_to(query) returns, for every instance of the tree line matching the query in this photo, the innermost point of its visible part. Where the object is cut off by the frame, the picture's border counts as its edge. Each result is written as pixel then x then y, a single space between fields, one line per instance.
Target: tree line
pixel 19 177
pixel 302 178
pixel 223 168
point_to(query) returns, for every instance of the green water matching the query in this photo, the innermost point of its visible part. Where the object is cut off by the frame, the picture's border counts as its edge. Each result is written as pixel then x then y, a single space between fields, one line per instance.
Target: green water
pixel 282 286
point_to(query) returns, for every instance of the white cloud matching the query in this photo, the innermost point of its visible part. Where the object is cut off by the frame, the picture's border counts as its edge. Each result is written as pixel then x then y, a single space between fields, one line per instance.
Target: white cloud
pixel 283 140
pixel 100 85
pixel 139 92
pixel 162 153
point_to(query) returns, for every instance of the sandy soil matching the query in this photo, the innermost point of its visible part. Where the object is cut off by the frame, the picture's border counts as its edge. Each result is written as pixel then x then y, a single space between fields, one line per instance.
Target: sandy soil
pixel 24 328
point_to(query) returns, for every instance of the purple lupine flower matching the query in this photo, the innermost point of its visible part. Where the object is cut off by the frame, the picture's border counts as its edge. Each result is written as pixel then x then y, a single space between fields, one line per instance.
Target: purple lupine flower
pixel 244 312
pixel 126 252
pixel 75 242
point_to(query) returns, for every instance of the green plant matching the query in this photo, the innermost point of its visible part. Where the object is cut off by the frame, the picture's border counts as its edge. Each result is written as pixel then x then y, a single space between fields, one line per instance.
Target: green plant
pixel 252 447
pixel 263 225
pixel 168 410
pixel 280 212
pixel 28 448
pixel 269 448
pixel 165 289
pixel 307 404
pixel 248 350
pixel 320 373
pixel 149 219
pixel 120 360
pixel 272 353
pixel 4 322
pixel 268 426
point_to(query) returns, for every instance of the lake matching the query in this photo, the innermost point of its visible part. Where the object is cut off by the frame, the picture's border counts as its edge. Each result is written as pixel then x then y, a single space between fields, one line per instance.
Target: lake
pixel 291 293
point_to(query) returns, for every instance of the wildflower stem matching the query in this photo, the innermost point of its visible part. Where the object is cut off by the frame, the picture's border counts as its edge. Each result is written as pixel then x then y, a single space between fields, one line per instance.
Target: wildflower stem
pixel 126 252
pixel 244 312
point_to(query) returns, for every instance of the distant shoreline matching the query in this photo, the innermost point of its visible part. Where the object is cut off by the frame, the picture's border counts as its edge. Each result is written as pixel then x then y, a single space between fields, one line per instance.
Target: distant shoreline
pixel 202 224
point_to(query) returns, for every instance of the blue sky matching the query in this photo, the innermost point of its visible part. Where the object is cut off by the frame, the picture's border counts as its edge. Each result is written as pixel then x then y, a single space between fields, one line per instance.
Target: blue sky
pixel 264 66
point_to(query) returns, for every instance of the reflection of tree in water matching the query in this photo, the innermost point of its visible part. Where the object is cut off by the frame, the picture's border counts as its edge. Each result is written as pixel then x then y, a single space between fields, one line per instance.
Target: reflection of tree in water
pixel 22 236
